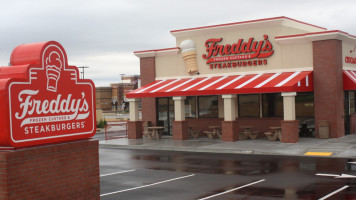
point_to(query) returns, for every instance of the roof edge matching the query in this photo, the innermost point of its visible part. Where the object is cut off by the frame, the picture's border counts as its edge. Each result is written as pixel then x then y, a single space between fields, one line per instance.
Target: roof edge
pixel 243 22
pixel 157 52
pixel 314 36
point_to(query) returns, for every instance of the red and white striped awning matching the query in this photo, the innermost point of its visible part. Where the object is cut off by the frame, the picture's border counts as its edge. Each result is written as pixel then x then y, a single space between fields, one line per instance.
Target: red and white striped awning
pixel 349 78
pixel 301 81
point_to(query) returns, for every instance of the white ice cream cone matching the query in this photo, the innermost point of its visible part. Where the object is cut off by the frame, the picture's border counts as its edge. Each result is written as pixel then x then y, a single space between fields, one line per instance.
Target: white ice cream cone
pixel 189 55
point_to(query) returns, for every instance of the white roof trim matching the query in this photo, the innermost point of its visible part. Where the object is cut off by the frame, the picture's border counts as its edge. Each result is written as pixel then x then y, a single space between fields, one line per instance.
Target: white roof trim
pixel 283 21
pixel 310 37
pixel 157 52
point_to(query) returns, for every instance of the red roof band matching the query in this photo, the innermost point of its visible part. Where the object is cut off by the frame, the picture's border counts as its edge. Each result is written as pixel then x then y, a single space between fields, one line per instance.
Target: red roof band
pixel 301 81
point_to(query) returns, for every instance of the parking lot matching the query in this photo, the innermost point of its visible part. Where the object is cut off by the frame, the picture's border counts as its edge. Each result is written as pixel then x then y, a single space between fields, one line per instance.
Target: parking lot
pixel 144 174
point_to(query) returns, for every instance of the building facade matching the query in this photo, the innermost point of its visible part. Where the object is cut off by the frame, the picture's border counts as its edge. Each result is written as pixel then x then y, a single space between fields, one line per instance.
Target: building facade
pixel 113 97
pixel 263 73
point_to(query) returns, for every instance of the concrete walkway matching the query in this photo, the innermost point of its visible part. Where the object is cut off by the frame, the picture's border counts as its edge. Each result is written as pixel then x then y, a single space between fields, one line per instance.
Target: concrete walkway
pixel 339 147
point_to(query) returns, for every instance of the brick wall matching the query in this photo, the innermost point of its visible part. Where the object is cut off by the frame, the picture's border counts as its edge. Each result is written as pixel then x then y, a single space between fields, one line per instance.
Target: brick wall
pixel 290 131
pixel 59 171
pixel 148 75
pixel 147 70
pixel 203 123
pixel 135 130
pixel 260 124
pixel 328 85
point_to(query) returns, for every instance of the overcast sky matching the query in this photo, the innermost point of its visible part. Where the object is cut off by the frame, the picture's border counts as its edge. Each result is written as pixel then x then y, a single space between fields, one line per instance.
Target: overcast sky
pixel 104 34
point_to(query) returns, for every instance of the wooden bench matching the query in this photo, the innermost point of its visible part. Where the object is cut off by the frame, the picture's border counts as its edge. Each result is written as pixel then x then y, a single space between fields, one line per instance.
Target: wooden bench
pixel 146 132
pixel 193 133
pixel 244 135
pixel 253 135
pixel 210 134
pixel 148 135
pixel 272 136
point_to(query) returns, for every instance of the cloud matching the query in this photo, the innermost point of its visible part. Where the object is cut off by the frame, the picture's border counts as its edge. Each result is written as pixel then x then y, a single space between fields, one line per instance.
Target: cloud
pixel 104 34
pixel 106 68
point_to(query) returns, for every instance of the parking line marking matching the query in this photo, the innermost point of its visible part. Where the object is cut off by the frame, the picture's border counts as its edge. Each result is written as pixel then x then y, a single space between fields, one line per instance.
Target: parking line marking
pixel 227 191
pixel 332 175
pixel 121 172
pixel 309 153
pixel 152 184
pixel 336 191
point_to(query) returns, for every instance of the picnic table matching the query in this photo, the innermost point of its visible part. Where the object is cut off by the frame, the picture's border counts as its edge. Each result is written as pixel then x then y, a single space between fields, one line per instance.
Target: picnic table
pixel 247 132
pixel 215 132
pixel 193 133
pixel 155 133
pixel 275 134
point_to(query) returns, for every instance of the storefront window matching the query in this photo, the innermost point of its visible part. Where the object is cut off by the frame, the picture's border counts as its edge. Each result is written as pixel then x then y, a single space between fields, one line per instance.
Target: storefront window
pixel 304 106
pixel 352 101
pixel 208 106
pixel 190 107
pixel 249 105
pixel 272 105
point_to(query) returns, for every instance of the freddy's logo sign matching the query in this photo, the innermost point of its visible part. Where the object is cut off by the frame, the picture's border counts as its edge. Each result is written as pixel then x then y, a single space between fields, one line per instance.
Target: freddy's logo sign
pixel 49 103
pixel 240 54
pixel 349 59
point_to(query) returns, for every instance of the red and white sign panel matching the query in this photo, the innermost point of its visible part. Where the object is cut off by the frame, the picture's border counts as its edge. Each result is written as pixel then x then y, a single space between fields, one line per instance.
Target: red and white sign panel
pixel 301 81
pixel 46 100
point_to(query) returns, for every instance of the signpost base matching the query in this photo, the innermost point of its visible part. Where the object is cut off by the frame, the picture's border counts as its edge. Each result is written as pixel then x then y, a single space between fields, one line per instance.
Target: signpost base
pixel 57 171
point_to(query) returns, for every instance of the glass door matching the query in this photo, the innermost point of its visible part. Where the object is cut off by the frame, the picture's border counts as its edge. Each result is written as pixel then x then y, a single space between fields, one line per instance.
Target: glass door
pixel 349 109
pixel 165 114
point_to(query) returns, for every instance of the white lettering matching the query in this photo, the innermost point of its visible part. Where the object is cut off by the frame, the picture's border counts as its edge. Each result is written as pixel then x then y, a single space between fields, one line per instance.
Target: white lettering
pixel 29 105
pixel 47 129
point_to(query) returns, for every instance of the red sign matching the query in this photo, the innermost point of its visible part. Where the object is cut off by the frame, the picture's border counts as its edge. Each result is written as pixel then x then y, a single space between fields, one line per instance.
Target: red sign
pixel 46 100
pixel 351 60
pixel 238 51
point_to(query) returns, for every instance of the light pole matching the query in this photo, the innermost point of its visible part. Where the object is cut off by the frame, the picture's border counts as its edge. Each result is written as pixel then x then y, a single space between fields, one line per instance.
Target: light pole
pixel 122 92
pixel 83 67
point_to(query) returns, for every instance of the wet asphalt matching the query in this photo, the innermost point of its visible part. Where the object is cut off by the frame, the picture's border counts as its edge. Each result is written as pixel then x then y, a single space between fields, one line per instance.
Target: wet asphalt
pixel 148 174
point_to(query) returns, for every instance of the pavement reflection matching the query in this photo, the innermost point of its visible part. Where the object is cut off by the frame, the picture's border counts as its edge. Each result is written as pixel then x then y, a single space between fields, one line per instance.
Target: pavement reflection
pixel 286 177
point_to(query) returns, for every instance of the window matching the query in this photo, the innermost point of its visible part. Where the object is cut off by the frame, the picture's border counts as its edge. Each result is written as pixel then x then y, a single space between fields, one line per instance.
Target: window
pixel 190 107
pixel 352 101
pixel 304 105
pixel 208 106
pixel 272 105
pixel 249 105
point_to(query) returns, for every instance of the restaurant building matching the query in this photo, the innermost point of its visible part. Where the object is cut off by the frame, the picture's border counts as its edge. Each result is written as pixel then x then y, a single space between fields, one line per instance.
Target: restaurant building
pixel 262 73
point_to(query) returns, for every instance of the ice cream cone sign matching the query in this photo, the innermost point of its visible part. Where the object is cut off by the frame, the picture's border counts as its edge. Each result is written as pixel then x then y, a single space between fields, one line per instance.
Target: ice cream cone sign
pixel 190 56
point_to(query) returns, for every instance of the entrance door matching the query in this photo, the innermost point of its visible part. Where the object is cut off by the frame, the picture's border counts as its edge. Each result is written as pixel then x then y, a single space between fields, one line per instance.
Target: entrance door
pixel 165 114
pixel 349 98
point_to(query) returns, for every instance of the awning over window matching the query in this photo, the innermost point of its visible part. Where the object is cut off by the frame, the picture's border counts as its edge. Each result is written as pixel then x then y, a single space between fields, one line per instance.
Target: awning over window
pixel 349 80
pixel 238 84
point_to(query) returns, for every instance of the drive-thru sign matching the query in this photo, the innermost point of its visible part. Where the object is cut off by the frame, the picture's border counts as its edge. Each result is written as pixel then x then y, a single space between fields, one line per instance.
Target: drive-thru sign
pixel 42 99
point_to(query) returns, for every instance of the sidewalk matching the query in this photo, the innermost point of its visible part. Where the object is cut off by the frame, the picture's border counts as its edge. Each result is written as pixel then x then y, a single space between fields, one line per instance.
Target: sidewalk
pixel 339 147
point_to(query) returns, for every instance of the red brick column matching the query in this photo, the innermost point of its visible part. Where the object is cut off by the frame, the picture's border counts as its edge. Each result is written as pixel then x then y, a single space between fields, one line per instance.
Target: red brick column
pixel 180 130
pixel 230 131
pixel 148 75
pixel 58 171
pixel 290 131
pixel 134 130
pixel 328 85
